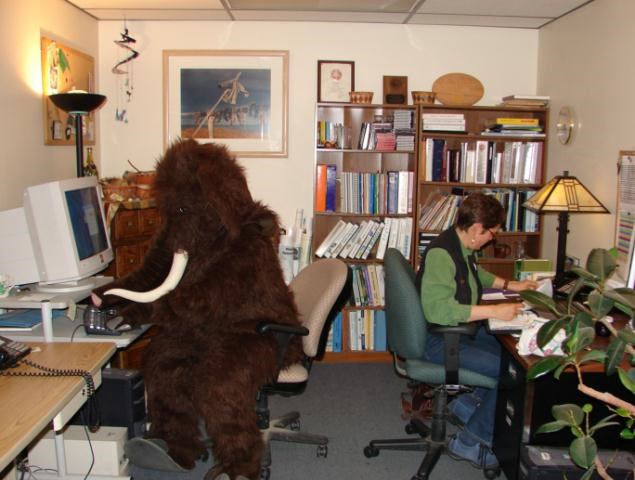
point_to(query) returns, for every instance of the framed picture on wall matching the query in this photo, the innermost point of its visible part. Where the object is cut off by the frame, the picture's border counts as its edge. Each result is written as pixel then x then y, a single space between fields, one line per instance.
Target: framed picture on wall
pixel 235 97
pixel 65 69
pixel 335 79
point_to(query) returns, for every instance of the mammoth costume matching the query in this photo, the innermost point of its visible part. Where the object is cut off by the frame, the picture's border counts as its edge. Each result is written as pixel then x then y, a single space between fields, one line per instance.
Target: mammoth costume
pixel 206 362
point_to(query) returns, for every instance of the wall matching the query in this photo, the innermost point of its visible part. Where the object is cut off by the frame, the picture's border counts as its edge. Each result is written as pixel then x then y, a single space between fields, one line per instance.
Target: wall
pixel 25 160
pixel 585 61
pixel 505 60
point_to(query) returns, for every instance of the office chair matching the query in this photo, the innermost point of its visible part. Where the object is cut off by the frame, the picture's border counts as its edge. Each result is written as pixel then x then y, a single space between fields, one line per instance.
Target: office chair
pixel 406 330
pixel 319 291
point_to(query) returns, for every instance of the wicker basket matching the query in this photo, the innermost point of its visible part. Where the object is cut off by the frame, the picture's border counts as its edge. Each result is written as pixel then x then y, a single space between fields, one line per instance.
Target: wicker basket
pixel 361 97
pixel 423 98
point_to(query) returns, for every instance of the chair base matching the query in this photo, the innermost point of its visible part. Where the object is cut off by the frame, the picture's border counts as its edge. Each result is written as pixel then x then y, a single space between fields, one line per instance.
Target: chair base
pixel 287 429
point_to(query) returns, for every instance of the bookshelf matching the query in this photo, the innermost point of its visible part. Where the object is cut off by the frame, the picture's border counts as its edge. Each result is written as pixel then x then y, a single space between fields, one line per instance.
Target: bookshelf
pixel 460 151
pixel 365 187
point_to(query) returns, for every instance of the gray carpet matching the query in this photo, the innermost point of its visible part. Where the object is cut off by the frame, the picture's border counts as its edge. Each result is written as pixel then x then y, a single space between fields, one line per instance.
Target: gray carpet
pixel 351 404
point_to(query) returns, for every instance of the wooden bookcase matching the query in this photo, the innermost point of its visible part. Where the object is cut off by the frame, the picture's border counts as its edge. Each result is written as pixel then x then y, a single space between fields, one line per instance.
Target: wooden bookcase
pixel 345 151
pixel 477 120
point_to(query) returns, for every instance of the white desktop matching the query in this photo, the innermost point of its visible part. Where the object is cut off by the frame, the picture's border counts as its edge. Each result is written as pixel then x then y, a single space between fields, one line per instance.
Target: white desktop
pixel 53 247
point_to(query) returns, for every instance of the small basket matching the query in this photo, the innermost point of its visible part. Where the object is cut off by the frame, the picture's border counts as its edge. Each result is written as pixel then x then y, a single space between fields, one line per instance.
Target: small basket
pixel 423 98
pixel 361 97
pixel 118 192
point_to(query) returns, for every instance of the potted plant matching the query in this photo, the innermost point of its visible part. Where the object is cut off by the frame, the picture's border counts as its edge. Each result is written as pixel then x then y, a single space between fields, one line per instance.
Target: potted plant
pixel 581 326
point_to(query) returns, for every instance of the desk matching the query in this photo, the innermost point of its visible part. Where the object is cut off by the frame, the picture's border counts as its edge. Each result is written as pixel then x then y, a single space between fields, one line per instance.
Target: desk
pixel 29 404
pixel 523 406
pixel 62 329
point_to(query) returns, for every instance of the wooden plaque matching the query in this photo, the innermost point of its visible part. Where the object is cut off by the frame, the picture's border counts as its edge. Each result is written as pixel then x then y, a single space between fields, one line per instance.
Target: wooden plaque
pixel 395 90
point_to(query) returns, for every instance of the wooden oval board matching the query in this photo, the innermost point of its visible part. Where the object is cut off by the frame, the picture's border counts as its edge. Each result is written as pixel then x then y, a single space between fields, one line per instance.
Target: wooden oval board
pixel 458 89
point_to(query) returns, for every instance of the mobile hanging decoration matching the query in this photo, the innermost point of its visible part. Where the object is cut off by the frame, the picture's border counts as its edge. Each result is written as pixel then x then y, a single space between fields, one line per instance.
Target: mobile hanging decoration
pixel 125 81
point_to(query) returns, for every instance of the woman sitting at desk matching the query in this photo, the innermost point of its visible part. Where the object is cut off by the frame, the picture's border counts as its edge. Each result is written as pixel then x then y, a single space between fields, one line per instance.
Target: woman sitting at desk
pixel 451 288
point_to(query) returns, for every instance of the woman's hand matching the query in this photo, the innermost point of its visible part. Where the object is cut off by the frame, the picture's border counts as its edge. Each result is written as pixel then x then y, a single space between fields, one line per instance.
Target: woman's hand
pixel 523 285
pixel 507 311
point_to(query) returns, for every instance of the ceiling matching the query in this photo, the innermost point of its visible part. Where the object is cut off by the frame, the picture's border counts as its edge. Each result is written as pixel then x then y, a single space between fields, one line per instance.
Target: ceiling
pixel 484 13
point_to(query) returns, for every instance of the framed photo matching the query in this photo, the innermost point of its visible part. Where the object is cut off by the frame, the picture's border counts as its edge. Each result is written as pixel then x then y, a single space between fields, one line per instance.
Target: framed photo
pixel 65 69
pixel 335 79
pixel 235 97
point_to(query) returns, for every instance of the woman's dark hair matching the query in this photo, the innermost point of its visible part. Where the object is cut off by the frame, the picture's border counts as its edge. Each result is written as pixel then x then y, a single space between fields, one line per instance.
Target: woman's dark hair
pixel 480 208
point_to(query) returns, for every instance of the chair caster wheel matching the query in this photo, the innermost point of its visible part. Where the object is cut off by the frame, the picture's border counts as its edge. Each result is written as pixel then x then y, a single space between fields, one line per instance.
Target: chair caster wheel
pixel 491 473
pixel 295 425
pixel 370 451
pixel 265 473
pixel 322 451
pixel 410 429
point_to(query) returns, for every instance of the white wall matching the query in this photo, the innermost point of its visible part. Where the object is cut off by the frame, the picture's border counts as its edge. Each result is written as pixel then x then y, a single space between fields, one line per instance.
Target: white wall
pixel 505 60
pixel 586 62
pixel 24 159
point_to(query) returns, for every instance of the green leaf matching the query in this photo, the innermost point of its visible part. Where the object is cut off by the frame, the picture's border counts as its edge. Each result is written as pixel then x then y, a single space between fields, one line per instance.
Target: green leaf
pixel 593 356
pixel 600 304
pixel 542 366
pixel 583 451
pixel 627 335
pixel 620 301
pixel 600 263
pixel 548 331
pixel 614 355
pixel 623 412
pixel 627 434
pixel 586 275
pixel 579 283
pixel 579 339
pixel 551 427
pixel 584 318
pixel 569 413
pixel 627 378
pixel 628 294
pixel 540 300
pixel 588 474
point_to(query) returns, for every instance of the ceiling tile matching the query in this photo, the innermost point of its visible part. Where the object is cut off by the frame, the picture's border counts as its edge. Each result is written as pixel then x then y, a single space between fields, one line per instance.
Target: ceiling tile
pixel 172 5
pixel 394 6
pixel 150 14
pixel 360 17
pixel 512 8
pixel 478 21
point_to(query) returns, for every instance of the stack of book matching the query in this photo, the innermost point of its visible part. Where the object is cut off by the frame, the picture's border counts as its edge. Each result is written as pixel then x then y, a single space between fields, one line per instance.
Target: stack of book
pixel 439 211
pixel 516 127
pixel 403 121
pixel 329 134
pixel 325 188
pixel 483 162
pixel 376 193
pixel 357 241
pixel 368 285
pixel 367 330
pixel 443 122
pixel 525 100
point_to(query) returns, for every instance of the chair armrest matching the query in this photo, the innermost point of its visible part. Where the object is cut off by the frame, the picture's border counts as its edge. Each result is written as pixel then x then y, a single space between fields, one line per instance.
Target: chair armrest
pixel 282 334
pixel 265 327
pixel 451 338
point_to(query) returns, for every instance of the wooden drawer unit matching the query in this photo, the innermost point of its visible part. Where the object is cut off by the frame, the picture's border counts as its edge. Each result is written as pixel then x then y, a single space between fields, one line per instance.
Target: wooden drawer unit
pixel 131 234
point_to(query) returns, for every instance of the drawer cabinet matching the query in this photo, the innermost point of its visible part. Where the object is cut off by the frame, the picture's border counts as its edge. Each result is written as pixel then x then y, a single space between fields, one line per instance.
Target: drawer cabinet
pixel 131 234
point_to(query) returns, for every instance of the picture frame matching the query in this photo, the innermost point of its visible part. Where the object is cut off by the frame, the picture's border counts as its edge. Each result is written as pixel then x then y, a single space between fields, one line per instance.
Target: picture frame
pixel 65 69
pixel 336 78
pixel 238 98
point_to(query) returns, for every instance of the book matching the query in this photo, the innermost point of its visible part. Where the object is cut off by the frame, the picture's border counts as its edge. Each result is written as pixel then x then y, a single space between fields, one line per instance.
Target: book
pixel 543 98
pixel 383 239
pixel 25 319
pixel 532 122
pixel 323 247
pixel 330 202
pixel 320 188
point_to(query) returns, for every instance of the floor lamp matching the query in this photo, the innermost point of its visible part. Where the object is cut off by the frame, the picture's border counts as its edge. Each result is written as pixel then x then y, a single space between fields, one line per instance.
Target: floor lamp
pixel 78 104
pixel 564 194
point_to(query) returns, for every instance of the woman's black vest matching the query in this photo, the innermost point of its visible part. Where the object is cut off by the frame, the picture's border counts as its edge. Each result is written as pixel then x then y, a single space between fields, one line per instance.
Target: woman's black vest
pixel 449 241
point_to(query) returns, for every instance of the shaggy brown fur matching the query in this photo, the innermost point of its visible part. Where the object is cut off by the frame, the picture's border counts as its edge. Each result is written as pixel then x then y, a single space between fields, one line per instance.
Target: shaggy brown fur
pixel 207 361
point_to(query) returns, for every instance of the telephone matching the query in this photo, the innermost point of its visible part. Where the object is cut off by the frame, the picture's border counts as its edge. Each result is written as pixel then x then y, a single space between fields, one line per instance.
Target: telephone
pixel 11 351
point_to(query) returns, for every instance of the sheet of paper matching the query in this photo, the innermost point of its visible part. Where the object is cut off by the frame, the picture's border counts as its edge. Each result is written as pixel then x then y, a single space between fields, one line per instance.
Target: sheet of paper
pixel 494 296
pixel 521 321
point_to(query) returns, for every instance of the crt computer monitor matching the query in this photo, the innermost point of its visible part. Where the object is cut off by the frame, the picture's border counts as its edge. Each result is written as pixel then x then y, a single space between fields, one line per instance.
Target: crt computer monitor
pixel 59 237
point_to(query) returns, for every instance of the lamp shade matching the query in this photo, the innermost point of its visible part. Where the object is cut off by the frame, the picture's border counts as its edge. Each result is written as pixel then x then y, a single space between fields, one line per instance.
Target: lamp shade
pixel 77 102
pixel 564 193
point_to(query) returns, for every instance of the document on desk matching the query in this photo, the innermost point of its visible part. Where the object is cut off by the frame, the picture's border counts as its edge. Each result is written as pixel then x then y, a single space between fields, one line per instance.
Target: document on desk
pixel 519 323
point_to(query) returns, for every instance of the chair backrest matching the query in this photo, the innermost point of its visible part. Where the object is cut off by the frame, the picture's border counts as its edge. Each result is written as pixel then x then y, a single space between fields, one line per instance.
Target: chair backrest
pixel 405 323
pixel 316 289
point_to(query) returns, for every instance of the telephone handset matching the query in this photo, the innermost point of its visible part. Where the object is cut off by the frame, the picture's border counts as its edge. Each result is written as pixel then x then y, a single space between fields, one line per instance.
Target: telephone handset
pixel 11 351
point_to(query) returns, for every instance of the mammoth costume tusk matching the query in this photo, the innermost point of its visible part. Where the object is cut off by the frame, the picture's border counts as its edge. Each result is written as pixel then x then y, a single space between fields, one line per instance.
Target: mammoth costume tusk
pixel 179 262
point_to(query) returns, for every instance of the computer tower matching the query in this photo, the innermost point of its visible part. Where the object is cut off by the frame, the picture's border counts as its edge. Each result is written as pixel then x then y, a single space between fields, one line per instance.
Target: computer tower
pixel 120 401
pixel 554 463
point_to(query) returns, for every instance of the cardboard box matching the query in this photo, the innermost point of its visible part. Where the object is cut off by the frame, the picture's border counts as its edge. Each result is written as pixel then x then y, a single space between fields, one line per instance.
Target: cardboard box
pixel 107 444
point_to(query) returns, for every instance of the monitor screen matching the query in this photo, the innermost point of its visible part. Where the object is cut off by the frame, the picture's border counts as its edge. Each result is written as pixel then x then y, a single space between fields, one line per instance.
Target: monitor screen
pixel 88 229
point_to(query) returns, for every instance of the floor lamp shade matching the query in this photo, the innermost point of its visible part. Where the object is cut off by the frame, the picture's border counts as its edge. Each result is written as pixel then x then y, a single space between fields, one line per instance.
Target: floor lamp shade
pixel 564 194
pixel 77 104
